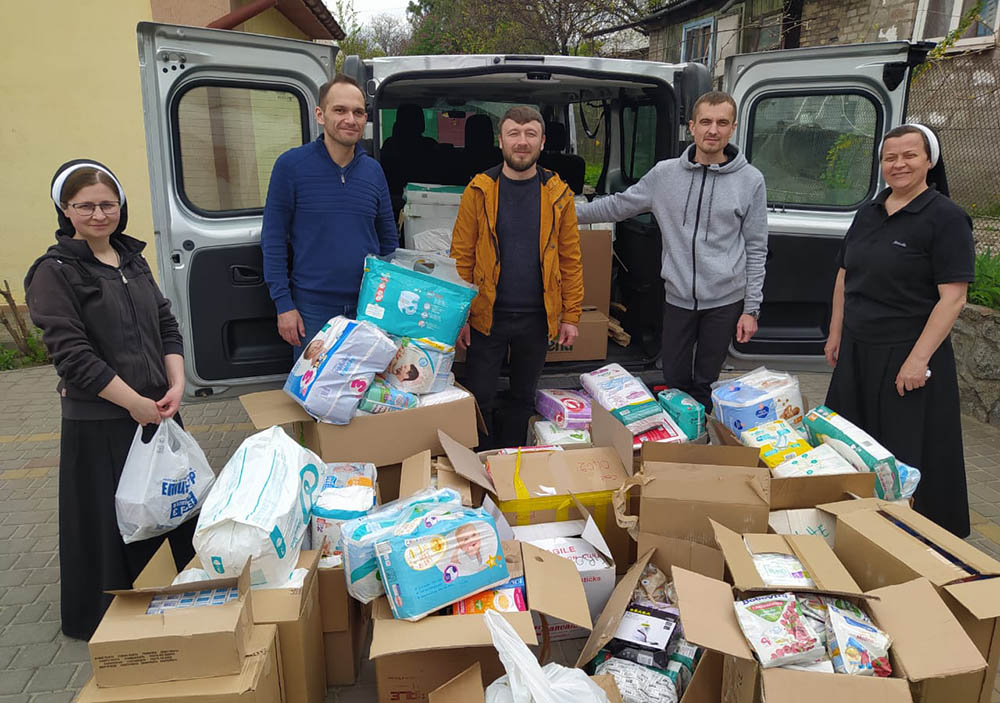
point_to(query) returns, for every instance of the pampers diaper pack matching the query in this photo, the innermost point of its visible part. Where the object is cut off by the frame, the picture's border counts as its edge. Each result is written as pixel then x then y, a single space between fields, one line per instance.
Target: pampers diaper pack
pixel 687 412
pixel 569 410
pixel 337 367
pixel 757 397
pixel 421 366
pixel 819 461
pixel 857 446
pixel 383 398
pixel 437 555
pixel 776 440
pixel 259 508
pixel 346 491
pixel 358 541
pixel 549 433
pixel 625 397
pixel 415 294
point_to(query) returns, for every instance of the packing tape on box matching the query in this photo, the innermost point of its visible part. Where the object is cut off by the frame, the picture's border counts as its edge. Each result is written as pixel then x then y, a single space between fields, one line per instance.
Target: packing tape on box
pixel 596 502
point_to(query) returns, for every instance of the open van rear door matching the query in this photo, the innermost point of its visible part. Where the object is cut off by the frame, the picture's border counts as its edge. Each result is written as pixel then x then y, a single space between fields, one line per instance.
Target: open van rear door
pixel 219 108
pixel 811 120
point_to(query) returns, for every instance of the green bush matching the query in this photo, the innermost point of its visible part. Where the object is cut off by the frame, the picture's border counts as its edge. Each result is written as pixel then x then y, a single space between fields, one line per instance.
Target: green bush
pixel 985 290
pixel 14 359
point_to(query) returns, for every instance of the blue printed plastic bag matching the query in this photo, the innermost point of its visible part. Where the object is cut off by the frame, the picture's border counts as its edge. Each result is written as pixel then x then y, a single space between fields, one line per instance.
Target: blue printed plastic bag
pixel 401 299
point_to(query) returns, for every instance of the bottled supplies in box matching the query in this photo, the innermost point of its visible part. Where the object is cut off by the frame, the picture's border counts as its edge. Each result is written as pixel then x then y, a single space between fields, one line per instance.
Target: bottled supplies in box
pixel 757 397
pixel 625 397
pixel 346 491
pixel 383 398
pixel 259 509
pixel 822 460
pixel 415 294
pixel 436 555
pixel 569 410
pixel 421 366
pixel 859 448
pixel 776 440
pixel 687 412
pixel 337 367
pixel 548 433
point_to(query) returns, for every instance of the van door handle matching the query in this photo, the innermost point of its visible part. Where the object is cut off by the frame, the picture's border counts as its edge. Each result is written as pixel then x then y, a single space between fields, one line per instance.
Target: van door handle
pixel 245 275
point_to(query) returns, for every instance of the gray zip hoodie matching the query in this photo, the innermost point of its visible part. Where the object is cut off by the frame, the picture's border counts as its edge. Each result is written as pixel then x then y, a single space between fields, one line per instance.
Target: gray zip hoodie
pixel 713 221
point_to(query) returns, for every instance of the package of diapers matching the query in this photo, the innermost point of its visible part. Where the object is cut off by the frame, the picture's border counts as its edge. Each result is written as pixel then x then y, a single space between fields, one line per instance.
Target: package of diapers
pixel 346 491
pixel 687 412
pixel 569 410
pixel 859 448
pixel 421 366
pixel 259 509
pixel 818 461
pixel 625 397
pixel 757 397
pixel 777 442
pixel 337 367
pixel 436 555
pixel 667 431
pixel 358 538
pixel 547 432
pixel 415 294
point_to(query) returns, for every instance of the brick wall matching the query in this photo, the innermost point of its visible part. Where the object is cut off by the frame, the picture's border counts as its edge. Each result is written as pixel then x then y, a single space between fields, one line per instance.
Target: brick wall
pixel 853 21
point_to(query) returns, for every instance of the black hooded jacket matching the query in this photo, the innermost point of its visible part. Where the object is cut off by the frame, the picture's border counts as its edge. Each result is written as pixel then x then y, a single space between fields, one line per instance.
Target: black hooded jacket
pixel 99 321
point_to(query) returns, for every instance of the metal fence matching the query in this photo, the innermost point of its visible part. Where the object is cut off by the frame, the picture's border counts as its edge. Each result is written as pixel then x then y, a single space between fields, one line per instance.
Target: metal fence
pixel 959 96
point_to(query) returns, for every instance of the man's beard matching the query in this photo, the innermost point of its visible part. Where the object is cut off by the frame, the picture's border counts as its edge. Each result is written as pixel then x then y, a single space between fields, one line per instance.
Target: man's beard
pixel 520 168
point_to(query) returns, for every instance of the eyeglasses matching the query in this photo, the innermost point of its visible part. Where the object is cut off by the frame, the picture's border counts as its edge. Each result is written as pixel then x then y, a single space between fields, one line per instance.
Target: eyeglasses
pixel 87 209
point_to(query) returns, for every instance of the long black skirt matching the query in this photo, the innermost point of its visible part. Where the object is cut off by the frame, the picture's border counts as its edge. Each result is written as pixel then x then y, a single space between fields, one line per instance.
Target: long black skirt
pixel 922 429
pixel 92 556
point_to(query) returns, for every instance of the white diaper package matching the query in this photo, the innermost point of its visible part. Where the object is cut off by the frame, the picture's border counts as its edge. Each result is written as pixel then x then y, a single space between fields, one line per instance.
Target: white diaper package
pixel 358 538
pixel 337 367
pixel 757 397
pixel 818 461
pixel 439 554
pixel 448 395
pixel 346 491
pixel 547 432
pixel 190 576
pixel 259 509
pixel 625 397
pixel 420 366
pixel 781 571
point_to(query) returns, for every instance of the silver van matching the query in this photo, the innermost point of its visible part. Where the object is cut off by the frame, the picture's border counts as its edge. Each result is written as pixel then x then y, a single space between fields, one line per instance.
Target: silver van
pixel 220 107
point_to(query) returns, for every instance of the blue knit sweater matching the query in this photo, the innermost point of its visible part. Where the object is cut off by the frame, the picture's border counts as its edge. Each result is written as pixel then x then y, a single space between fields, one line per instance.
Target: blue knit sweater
pixel 331 217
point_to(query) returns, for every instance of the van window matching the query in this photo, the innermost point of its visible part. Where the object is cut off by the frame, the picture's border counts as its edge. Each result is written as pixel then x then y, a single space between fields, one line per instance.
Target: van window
pixel 590 131
pixel 638 140
pixel 816 150
pixel 227 139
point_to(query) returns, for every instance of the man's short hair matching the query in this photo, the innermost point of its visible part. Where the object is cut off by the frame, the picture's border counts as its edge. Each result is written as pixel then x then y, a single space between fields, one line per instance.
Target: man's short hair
pixel 714 97
pixel 523 114
pixel 339 78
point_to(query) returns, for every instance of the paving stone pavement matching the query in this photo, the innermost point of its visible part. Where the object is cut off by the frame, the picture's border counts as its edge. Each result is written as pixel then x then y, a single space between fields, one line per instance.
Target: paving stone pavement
pixel 40 665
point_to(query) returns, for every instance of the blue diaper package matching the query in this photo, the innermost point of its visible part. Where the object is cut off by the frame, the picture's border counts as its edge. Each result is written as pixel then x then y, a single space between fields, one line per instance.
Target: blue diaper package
pixel 437 555
pixel 404 300
pixel 358 538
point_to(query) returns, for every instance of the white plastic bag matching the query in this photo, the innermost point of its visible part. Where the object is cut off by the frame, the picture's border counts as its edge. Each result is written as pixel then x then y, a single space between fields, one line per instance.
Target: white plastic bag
pixel 163 482
pixel 529 682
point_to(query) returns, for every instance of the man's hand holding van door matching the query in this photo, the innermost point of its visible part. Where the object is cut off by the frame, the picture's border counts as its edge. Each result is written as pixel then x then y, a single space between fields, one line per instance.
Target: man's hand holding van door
pixel 291 328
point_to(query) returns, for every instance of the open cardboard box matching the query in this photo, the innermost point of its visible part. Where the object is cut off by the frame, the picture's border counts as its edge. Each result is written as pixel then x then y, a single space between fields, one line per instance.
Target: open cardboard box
pixel 414 658
pixel 258 681
pixel 417 472
pixel 383 439
pixel 664 553
pixel 607 431
pixel 536 487
pixel 468 687
pixel 345 624
pixel 884 544
pixel 130 647
pixel 296 612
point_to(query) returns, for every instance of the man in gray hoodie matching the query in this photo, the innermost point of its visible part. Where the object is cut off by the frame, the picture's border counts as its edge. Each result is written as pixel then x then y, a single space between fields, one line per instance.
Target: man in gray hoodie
pixel 711 206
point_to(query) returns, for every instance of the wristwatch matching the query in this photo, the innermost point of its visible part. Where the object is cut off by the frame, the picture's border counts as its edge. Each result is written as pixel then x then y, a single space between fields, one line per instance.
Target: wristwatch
pixel 755 314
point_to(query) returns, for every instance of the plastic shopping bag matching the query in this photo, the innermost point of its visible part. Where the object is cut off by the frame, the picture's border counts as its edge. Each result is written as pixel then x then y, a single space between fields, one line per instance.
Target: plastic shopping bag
pixel 529 682
pixel 163 483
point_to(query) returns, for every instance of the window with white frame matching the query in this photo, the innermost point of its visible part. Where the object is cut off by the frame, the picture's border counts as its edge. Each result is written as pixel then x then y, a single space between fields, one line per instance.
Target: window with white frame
pixel 936 19
pixel 696 41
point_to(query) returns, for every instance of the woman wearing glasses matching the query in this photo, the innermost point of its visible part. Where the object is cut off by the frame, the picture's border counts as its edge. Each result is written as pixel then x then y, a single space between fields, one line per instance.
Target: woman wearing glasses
pixel 117 350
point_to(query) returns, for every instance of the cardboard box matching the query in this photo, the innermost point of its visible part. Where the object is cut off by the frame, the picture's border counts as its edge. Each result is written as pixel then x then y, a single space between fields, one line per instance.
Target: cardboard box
pixel 595 254
pixel 875 541
pixel 930 654
pixel 535 488
pixel 417 472
pixel 130 647
pixel 365 438
pixel 664 553
pixel 805 521
pixel 591 345
pixel 598 579
pixel 344 623
pixel 414 658
pixel 258 681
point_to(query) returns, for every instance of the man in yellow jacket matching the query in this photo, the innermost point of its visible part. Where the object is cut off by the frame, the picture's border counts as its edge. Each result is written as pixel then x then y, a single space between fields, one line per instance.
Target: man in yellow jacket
pixel 516 238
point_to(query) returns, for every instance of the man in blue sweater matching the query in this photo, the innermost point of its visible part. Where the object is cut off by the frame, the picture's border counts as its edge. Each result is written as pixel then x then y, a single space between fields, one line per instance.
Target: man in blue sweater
pixel 327 208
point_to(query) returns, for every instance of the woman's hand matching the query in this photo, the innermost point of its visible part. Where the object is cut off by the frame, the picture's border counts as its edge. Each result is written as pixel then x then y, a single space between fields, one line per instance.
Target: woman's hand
pixel 912 375
pixel 171 402
pixel 144 411
pixel 832 349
